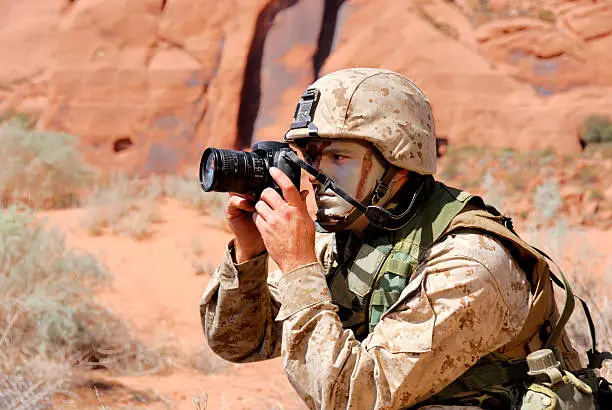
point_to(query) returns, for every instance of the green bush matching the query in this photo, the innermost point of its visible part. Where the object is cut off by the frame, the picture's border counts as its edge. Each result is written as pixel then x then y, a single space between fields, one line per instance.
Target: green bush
pixel 547 15
pixel 40 169
pixel 24 120
pixel 596 128
pixel 49 320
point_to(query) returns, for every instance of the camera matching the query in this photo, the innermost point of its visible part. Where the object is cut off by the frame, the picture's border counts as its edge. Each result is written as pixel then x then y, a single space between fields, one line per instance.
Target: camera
pixel 243 172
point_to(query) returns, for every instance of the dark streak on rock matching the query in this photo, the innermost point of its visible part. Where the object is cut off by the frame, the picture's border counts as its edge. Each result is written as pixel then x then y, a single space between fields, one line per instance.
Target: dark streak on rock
pixel 326 36
pixel 250 94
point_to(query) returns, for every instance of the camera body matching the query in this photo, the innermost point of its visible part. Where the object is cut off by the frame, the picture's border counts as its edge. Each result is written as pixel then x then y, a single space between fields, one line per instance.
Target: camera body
pixel 245 172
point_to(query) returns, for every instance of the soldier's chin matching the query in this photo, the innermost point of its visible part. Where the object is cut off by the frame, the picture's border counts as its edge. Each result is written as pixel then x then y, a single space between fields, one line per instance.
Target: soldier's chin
pixel 331 222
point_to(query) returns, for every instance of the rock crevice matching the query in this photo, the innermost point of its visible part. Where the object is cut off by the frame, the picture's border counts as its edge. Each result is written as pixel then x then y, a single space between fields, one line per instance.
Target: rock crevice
pixel 250 94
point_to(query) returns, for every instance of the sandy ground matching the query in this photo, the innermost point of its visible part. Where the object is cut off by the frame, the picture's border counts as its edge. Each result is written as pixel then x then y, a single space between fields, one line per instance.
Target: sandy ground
pixel 157 290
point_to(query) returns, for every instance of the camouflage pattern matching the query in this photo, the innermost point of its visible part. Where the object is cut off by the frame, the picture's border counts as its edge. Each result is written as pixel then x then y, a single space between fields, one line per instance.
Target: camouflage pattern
pixel 379 106
pixel 468 298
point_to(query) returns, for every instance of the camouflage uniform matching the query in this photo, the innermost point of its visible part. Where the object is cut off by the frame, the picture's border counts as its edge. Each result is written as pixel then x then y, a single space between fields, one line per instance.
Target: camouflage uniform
pixel 466 298
pixel 469 298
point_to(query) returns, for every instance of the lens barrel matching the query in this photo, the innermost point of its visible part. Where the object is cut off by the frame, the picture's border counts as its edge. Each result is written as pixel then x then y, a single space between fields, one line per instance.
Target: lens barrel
pixel 224 170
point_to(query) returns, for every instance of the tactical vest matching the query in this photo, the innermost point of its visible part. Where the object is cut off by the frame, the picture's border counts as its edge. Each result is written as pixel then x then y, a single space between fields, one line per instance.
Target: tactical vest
pixel 373 280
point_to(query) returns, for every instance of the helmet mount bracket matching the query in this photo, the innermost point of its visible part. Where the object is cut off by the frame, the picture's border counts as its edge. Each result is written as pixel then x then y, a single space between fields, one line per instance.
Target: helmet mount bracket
pixel 304 111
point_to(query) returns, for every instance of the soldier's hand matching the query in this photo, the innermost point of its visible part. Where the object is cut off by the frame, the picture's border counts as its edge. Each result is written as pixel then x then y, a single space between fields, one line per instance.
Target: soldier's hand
pixel 239 214
pixel 285 225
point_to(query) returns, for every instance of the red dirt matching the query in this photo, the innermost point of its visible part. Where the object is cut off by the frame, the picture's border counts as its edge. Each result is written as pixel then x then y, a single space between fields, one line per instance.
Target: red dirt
pixel 157 291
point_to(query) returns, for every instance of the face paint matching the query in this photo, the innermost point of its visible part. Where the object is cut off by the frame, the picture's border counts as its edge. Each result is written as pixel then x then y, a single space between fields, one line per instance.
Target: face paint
pixel 352 165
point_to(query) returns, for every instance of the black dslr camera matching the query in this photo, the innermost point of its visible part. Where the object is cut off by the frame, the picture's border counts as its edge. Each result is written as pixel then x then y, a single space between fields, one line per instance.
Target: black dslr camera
pixel 224 170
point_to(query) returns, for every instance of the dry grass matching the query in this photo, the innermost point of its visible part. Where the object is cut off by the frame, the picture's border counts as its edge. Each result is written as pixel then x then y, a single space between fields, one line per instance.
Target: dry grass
pixel 188 191
pixel 482 11
pixel 124 206
pixel 127 206
pixel 581 264
pixel 40 169
pixel 548 195
pixel 508 178
pixel 568 246
pixel 51 325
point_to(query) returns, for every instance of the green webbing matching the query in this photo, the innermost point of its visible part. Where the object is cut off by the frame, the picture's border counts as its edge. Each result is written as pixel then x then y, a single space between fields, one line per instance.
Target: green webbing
pixel 484 375
pixel 568 307
pixel 443 205
pixel 384 298
pixel 398 267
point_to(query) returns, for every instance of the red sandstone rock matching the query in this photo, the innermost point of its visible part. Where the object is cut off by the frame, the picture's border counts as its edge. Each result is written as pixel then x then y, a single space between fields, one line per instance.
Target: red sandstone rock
pixel 169 75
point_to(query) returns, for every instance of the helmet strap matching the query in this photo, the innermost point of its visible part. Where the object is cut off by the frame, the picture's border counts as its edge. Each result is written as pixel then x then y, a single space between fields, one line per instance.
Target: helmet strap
pixel 377 215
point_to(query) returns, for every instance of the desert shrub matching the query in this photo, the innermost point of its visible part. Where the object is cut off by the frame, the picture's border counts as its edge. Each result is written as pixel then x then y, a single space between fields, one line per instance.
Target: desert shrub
pixel 596 128
pixel 129 206
pixel 547 199
pixel 40 168
pixel 579 261
pixel 580 267
pixel 126 206
pixel 49 320
pixel 22 119
pixel 188 191
pixel 547 15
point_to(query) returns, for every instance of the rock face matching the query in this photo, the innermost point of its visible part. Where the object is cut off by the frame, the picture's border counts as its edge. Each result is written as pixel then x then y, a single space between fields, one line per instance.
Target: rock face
pixel 147 83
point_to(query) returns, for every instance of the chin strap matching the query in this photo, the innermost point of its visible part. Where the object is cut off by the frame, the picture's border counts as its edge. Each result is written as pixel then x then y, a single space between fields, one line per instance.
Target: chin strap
pixel 378 216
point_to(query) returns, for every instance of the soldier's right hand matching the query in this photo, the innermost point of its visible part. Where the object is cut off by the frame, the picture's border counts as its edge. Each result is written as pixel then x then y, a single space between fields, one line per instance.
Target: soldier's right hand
pixel 239 214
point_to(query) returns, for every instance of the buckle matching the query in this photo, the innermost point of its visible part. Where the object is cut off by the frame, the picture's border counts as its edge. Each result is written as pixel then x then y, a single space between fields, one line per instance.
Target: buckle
pixel 304 111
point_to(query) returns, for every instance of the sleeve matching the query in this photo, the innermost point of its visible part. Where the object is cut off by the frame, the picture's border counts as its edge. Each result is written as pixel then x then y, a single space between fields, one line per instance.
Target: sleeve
pixel 239 306
pixel 237 311
pixel 443 323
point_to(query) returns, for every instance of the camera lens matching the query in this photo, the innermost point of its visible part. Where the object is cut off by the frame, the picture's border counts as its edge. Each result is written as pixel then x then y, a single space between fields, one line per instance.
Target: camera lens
pixel 209 172
pixel 224 170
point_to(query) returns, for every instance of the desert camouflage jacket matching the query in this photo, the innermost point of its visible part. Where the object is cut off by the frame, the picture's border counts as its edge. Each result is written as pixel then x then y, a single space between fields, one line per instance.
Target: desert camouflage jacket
pixel 469 298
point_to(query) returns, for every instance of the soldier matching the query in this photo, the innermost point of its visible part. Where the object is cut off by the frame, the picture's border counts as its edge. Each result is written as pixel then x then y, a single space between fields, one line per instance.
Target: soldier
pixel 411 294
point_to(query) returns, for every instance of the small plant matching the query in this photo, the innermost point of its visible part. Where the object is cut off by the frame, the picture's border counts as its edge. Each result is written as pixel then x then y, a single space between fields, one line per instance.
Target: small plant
pixel 21 119
pixel 188 191
pixel 547 199
pixel 49 320
pixel 40 169
pixel 203 267
pixel 547 15
pixel 126 206
pixel 596 128
pixel 200 400
pixel 494 191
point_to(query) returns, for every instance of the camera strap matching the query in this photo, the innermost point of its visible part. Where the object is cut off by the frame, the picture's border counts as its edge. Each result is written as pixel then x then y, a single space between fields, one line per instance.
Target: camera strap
pixel 378 216
pixel 325 181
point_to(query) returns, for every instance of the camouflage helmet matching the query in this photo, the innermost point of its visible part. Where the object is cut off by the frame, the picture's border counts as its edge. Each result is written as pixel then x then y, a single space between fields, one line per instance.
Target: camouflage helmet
pixel 374 105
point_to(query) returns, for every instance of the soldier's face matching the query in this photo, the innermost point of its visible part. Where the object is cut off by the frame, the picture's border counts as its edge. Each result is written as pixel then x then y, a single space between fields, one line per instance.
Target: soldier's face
pixel 352 165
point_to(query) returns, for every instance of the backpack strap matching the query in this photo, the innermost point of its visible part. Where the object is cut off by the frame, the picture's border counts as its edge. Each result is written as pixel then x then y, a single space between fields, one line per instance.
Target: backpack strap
pixel 489 371
pixel 595 357
pixel 568 307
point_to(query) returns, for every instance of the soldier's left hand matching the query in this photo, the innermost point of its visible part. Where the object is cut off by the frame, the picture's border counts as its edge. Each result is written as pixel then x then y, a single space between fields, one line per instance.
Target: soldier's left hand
pixel 285 225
